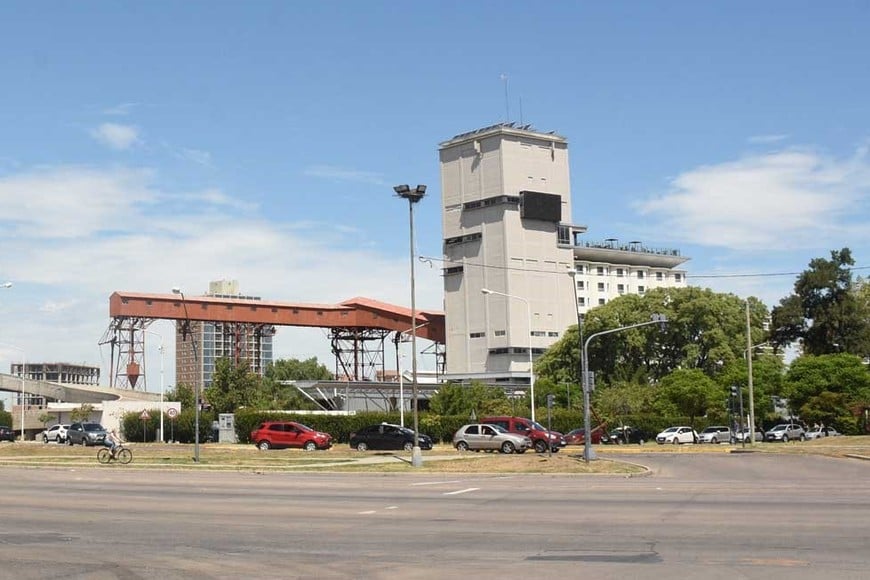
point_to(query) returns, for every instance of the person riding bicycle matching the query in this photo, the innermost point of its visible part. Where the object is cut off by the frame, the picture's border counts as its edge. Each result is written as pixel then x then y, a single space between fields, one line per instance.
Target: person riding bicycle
pixel 113 442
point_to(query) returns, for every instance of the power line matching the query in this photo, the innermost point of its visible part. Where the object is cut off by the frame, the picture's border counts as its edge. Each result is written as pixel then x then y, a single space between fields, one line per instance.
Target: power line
pixel 698 276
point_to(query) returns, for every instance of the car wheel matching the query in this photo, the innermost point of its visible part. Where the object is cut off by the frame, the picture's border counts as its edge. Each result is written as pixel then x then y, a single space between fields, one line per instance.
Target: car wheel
pixel 69 442
pixel 714 441
pixel 540 446
pixel 675 441
pixel 408 446
pixel 45 439
pixel 507 447
pixel 362 446
pixel 309 446
pixel 785 438
pixel 640 441
pixel 84 442
pixel 803 437
pixel 264 445
pixel 618 441
pixel 462 446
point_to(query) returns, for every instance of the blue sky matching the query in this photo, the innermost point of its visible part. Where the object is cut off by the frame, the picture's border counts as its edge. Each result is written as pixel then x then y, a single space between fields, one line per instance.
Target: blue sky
pixel 157 144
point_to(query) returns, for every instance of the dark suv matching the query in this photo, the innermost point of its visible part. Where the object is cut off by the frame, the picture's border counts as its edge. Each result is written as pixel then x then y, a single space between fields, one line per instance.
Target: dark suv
pixel 387 436
pixel 85 434
pixel 531 429
pixel 6 433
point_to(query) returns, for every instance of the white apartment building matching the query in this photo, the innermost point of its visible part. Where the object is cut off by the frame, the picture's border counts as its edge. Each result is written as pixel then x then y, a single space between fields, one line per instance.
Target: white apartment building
pixel 506 210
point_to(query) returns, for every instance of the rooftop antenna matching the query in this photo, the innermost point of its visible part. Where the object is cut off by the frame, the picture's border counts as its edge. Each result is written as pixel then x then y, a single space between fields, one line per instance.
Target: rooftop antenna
pixel 507 109
pixel 521 110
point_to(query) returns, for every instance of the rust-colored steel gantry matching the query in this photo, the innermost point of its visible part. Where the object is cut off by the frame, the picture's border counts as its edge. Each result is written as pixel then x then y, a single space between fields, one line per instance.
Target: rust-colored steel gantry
pixel 358 327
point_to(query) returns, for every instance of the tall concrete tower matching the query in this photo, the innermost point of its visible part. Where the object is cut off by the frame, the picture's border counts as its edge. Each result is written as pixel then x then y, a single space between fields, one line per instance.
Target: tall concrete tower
pixel 506 211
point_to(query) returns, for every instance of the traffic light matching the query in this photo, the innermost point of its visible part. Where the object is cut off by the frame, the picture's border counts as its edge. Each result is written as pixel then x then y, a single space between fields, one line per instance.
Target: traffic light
pixel 733 391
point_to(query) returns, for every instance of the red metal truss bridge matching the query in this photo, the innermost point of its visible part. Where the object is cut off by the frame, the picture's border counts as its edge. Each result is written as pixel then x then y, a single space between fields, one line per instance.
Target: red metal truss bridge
pixel 358 328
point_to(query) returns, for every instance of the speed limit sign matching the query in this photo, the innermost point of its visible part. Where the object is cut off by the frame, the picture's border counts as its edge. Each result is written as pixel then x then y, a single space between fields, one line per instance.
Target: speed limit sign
pixel 172 412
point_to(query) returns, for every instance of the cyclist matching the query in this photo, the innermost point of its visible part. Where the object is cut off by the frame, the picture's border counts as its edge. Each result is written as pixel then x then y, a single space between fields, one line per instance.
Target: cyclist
pixel 113 442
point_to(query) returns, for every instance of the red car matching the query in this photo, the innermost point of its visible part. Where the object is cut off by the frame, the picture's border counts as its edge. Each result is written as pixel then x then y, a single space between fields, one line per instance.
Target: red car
pixel 283 434
pixel 578 437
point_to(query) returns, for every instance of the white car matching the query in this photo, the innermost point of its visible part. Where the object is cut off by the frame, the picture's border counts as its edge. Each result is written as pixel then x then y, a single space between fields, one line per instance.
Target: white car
pixel 822 432
pixel 715 434
pixel 677 436
pixel 56 433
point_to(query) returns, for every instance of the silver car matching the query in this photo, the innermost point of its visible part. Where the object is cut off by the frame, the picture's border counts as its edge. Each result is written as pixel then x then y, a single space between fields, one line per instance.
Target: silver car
pixel 785 432
pixel 477 437
pixel 822 432
pixel 715 434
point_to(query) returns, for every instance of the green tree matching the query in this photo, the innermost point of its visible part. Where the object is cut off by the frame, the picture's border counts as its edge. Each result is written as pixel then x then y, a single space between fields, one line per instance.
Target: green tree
pixel 83 413
pixel 690 392
pixel 810 377
pixel 705 330
pixel 232 386
pixel 277 395
pixel 828 312
pixel 476 398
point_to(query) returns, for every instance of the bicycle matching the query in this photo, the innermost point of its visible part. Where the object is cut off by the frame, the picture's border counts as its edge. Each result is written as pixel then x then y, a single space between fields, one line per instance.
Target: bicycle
pixel 122 455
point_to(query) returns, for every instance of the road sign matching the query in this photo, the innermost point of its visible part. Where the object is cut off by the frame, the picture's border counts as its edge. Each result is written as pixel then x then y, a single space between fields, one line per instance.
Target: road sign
pixel 145 416
pixel 172 412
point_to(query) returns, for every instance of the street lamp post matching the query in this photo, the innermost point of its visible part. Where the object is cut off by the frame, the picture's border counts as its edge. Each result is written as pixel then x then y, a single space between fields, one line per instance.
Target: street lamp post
pixel 197 396
pixel 588 454
pixel 21 375
pixel 413 196
pixel 160 350
pixel 529 315
pixel 401 393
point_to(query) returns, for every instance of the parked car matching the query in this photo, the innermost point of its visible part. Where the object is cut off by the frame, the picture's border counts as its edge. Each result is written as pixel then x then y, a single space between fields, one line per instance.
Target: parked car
pixel 625 435
pixel 6 433
pixel 739 435
pixel 578 436
pixel 677 436
pixel 283 434
pixel 821 432
pixel 715 434
pixel 56 433
pixel 85 434
pixel 785 432
pixel 531 429
pixel 387 436
pixel 487 437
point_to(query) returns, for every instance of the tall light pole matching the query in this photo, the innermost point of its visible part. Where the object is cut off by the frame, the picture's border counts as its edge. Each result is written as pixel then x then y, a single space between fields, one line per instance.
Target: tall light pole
pixel 160 349
pixel 588 455
pixel 196 389
pixel 529 315
pixel 413 196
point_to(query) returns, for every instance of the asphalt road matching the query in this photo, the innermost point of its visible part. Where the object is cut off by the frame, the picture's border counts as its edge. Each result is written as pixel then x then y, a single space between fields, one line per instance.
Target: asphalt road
pixel 696 516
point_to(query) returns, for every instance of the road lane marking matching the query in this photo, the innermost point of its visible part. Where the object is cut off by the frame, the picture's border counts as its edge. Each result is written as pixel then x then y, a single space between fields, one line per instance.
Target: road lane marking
pixel 434 482
pixel 457 492
pixel 391 507
pixel 367 513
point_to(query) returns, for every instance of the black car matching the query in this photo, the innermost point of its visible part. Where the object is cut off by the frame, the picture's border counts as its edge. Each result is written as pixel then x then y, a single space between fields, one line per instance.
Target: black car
pixel 625 435
pixel 387 436
pixel 85 434
pixel 6 433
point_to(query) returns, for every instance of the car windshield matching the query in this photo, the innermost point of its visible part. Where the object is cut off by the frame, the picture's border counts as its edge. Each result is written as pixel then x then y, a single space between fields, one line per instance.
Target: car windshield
pixel 710 430
pixel 670 429
pixel 304 427
pixel 93 427
pixel 538 426
pixel 499 428
pixel 780 428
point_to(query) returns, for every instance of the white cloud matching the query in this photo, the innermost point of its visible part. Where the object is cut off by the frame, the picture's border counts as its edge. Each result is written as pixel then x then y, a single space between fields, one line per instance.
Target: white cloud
pixel 71 236
pixel 116 136
pixel 195 155
pixel 763 139
pixel 776 201
pixel 120 110
pixel 340 174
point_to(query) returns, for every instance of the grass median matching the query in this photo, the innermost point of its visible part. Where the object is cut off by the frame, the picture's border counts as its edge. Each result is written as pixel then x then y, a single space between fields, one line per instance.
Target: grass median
pixel 441 459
